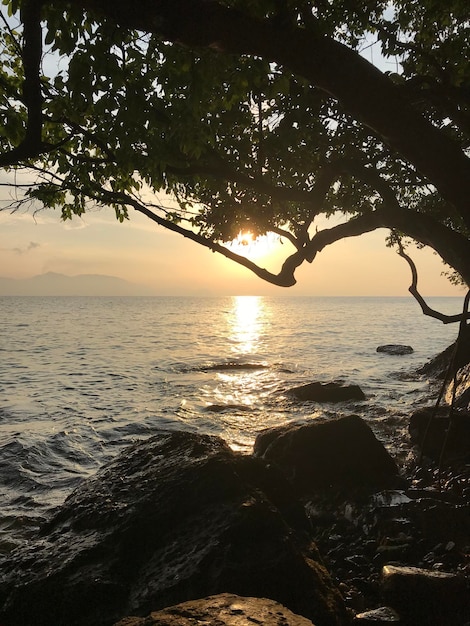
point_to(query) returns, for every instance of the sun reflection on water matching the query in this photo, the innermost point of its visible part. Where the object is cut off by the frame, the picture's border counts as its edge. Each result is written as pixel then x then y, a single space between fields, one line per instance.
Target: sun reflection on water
pixel 245 324
pixel 236 394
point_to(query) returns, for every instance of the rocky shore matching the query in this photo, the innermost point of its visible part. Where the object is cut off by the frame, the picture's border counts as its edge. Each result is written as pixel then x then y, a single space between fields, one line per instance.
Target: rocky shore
pixel 318 526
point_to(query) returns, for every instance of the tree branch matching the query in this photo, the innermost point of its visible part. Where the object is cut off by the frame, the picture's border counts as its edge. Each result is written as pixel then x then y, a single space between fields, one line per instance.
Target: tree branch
pixel 413 289
pixel 453 247
pixel 352 228
pixel 285 278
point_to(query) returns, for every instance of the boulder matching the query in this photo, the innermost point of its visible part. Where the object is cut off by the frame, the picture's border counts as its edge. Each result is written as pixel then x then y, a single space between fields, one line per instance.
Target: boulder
pixel 221 610
pixel 395 349
pixel 340 453
pixel 429 430
pixel 422 596
pixel 174 518
pixel 327 392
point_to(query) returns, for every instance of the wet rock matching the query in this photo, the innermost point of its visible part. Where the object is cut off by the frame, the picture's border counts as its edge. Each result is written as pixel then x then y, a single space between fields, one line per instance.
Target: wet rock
pixel 382 615
pixel 395 349
pixel 438 434
pixel 443 521
pixel 327 392
pixel 221 610
pixel 391 551
pixel 462 392
pixel 173 518
pixel 437 367
pixel 449 360
pixel 324 453
pixel 423 596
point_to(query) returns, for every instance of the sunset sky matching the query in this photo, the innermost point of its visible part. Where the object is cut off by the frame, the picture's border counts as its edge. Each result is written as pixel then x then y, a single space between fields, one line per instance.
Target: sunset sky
pixel 144 253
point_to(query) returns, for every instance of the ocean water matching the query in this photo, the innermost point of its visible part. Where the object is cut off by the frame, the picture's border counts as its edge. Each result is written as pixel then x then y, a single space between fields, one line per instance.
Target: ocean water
pixel 82 377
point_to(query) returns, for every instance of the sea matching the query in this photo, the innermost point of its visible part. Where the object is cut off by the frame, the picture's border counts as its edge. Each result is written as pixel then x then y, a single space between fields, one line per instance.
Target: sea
pixel 83 377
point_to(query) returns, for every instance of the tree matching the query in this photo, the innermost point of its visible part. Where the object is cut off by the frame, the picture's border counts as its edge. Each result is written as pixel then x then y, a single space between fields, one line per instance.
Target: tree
pixel 256 115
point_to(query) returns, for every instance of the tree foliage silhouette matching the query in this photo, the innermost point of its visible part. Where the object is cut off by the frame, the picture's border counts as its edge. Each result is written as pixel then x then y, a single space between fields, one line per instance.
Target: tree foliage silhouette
pixel 254 115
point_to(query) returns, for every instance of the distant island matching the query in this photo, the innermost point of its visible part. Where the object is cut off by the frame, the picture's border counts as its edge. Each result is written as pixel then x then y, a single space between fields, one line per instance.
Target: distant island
pixel 54 284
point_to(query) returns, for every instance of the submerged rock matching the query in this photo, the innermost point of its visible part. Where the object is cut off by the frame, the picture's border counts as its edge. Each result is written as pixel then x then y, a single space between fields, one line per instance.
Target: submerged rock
pixel 220 408
pixel 177 517
pixel 327 392
pixel 342 452
pixel 422 596
pixel 395 349
pixel 382 615
pixel 221 610
pixel 234 365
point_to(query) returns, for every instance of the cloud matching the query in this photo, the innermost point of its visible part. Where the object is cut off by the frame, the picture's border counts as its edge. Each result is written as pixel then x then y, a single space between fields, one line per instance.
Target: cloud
pixel 31 246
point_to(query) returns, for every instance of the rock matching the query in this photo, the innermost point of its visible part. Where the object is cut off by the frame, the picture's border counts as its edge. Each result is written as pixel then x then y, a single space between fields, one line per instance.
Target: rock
pixel 428 430
pixel 324 453
pixel 382 615
pixel 220 408
pixel 462 395
pixel 173 518
pixel 234 365
pixel 437 367
pixel 422 596
pixel 221 610
pixel 441 521
pixel 455 359
pixel 395 349
pixel 327 392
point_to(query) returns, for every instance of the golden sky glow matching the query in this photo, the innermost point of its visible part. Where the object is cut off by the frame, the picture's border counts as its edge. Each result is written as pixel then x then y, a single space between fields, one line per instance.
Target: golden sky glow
pixel 143 253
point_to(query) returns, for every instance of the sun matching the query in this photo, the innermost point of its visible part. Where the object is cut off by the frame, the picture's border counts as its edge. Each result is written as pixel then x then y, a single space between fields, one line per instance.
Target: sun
pixel 246 239
pixel 247 245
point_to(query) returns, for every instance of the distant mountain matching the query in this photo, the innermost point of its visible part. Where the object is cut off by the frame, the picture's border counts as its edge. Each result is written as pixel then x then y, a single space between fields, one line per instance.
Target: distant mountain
pixel 53 284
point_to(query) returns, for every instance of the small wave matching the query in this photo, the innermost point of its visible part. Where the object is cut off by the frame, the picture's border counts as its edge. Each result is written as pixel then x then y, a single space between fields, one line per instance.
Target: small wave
pixel 13 471
pixel 6 415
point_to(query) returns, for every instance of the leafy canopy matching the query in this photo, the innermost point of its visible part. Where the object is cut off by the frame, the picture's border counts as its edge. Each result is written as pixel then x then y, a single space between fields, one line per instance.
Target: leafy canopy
pixel 110 114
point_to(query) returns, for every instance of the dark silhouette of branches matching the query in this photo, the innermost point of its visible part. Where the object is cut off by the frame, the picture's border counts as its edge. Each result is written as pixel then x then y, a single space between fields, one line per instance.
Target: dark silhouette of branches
pixel 427 310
